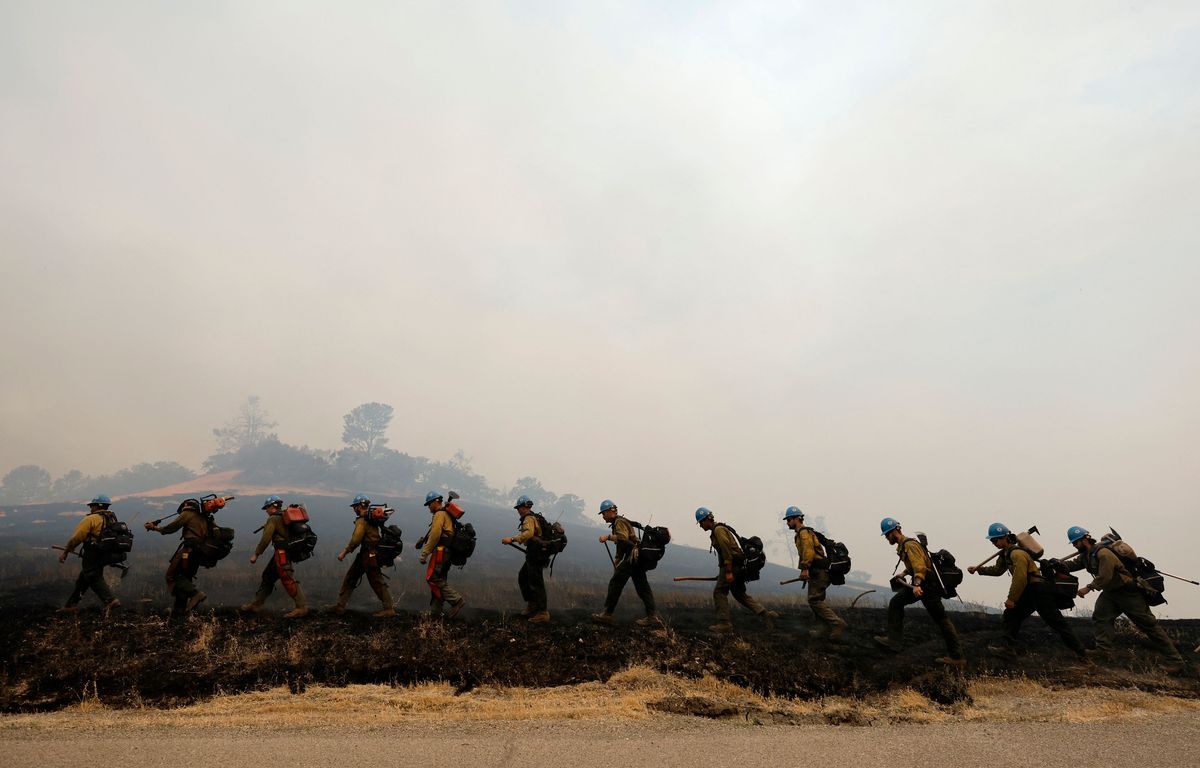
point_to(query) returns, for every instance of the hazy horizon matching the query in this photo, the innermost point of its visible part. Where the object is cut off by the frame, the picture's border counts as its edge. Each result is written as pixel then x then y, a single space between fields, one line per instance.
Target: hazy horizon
pixel 932 261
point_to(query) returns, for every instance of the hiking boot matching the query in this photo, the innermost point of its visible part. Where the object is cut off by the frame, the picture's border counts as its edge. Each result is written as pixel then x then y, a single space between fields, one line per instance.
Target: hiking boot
pixel 768 618
pixel 836 632
pixel 603 618
pixel 300 610
pixel 455 608
pixel 886 643
pixel 195 600
pixel 69 609
pixel 251 608
pixel 525 614
pixel 952 662
pixel 721 628
pixel 541 617
pixel 384 612
pixel 820 633
pixel 337 608
pixel 112 606
pixel 652 620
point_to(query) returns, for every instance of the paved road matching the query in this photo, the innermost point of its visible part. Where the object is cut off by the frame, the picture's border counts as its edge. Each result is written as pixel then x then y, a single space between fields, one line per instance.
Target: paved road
pixel 1164 742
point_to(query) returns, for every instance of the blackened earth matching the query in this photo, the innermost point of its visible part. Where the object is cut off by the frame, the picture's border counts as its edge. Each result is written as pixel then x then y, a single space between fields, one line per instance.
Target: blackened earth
pixel 137 658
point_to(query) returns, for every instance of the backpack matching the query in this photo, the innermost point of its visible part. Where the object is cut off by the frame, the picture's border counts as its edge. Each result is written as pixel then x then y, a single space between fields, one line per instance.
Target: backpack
pixel 390 545
pixel 1145 576
pixel 653 545
pixel 1063 585
pixel 462 544
pixel 301 540
pixel 115 542
pixel 948 575
pixel 837 558
pixel 753 558
pixel 216 544
pixel 553 539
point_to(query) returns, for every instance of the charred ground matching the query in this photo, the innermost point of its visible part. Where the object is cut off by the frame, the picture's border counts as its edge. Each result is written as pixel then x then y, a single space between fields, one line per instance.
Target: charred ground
pixel 50 661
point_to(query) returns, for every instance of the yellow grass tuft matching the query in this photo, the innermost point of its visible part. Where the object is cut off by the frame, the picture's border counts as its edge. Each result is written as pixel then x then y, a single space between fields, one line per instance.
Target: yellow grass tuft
pixel 630 695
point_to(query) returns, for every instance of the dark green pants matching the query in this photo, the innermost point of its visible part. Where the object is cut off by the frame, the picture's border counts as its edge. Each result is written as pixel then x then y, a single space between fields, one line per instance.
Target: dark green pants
pixel 366 563
pixel 937 612
pixel 181 574
pixel 91 576
pixel 737 588
pixel 532 582
pixel 622 573
pixel 1039 598
pixel 818 585
pixel 1129 600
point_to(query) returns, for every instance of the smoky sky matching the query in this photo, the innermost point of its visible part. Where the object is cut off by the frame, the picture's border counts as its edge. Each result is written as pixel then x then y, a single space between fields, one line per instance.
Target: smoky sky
pixel 936 261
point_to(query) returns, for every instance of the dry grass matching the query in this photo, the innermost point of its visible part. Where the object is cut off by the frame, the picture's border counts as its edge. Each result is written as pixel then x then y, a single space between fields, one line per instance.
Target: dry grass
pixel 628 695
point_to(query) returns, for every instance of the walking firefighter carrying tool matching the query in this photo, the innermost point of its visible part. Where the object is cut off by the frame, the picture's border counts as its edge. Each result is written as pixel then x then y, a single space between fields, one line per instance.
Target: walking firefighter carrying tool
pixel 1117 537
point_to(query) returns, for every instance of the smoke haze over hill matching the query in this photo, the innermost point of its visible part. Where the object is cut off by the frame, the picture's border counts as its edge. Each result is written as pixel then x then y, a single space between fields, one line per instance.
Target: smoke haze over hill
pixel 936 263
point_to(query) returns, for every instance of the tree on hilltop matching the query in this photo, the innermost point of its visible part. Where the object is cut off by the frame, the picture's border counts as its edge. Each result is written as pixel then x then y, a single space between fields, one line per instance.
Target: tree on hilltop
pixel 364 427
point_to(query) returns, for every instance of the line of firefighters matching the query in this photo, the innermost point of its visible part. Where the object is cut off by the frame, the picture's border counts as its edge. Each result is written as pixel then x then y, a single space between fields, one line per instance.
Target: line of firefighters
pixel 1029 592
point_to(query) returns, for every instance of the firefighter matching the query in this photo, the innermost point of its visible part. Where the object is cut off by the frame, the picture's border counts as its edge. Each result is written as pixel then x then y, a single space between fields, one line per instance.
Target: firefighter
pixel 927 591
pixel 625 567
pixel 814 570
pixel 1119 594
pixel 531 578
pixel 274 533
pixel 365 562
pixel 441 531
pixel 1027 593
pixel 91 575
pixel 729 554
pixel 185 563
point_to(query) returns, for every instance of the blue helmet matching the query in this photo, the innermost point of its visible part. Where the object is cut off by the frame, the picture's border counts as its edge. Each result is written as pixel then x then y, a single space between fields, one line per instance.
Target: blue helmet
pixel 524 501
pixel 791 512
pixel 431 497
pixel 101 498
pixel 1076 532
pixel 888 524
pixel 702 513
pixel 360 499
pixel 606 505
pixel 271 501
pixel 996 530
